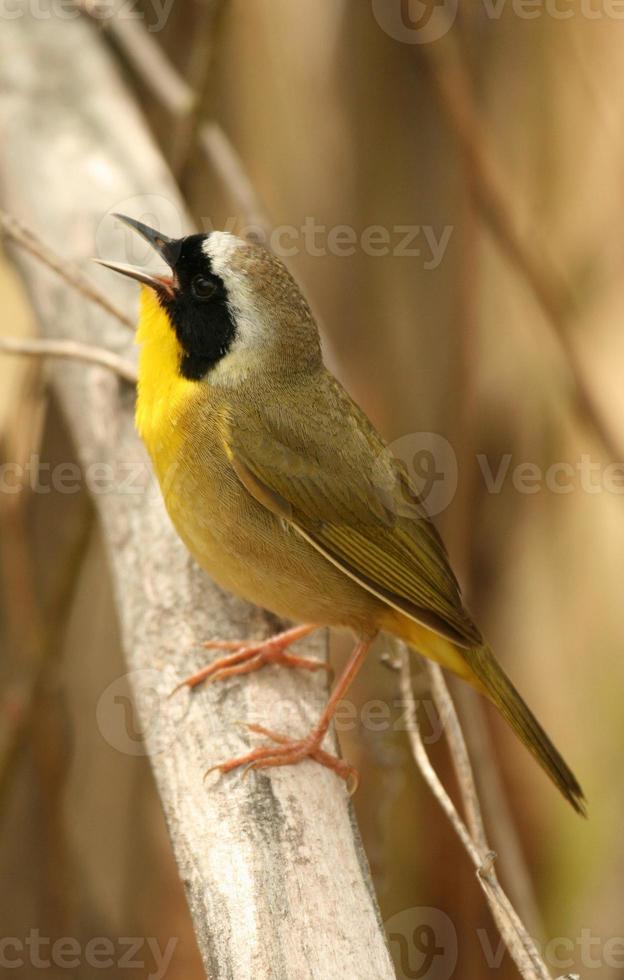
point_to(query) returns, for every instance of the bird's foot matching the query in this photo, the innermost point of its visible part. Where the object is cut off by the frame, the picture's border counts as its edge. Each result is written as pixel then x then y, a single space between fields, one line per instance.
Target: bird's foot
pixel 288 751
pixel 247 657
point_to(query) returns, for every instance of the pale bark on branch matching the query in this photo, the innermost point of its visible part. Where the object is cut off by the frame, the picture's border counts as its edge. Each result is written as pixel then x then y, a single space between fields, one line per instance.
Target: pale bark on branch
pixel 273 867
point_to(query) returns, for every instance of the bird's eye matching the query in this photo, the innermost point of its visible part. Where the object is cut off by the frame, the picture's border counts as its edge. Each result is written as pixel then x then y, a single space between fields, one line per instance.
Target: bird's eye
pixel 203 288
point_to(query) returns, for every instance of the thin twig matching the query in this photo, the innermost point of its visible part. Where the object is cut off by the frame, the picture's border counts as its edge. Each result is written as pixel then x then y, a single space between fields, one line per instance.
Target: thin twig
pixel 459 755
pixel 466 780
pixel 72 350
pixel 498 809
pixel 515 936
pixel 15 231
pixel 453 85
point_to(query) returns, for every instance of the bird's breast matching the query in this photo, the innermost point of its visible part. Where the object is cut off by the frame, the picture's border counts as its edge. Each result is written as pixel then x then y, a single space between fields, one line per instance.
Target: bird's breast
pixel 243 546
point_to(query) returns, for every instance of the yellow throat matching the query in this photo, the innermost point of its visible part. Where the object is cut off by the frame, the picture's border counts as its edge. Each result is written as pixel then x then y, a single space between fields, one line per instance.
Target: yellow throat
pixel 163 394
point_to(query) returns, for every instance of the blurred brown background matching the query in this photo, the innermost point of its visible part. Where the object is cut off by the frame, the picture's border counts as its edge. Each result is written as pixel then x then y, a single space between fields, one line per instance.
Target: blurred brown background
pixel 338 122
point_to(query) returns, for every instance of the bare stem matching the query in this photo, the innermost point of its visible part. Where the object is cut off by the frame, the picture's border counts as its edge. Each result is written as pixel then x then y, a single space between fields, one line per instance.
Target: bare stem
pixel 520 945
pixel 498 809
pixel 15 231
pixel 73 350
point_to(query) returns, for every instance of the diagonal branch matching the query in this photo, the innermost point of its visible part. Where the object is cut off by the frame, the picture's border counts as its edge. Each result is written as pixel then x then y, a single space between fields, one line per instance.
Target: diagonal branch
pixel 253 848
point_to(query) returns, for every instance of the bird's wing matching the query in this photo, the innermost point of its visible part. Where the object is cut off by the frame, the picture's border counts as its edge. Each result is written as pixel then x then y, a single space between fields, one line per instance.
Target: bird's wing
pixel 340 488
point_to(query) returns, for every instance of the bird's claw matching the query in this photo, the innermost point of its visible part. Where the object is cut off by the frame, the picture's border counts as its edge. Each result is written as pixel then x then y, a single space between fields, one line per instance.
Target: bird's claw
pixel 289 751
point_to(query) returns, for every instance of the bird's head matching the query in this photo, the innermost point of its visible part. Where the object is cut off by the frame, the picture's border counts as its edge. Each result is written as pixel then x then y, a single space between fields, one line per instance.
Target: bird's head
pixel 226 310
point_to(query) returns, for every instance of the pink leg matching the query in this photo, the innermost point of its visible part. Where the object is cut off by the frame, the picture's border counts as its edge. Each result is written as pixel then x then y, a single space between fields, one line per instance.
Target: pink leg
pixel 288 751
pixel 251 656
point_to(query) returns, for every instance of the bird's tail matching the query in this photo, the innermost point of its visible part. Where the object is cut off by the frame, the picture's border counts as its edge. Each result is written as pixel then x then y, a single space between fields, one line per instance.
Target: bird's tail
pixel 481 669
pixel 499 689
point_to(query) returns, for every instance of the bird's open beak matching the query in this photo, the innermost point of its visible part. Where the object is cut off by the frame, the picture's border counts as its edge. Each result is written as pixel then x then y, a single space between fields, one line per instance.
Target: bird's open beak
pixel 167 248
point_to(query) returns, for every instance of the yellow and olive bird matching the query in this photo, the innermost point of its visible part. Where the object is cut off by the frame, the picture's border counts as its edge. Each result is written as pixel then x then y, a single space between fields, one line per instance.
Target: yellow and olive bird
pixel 284 492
